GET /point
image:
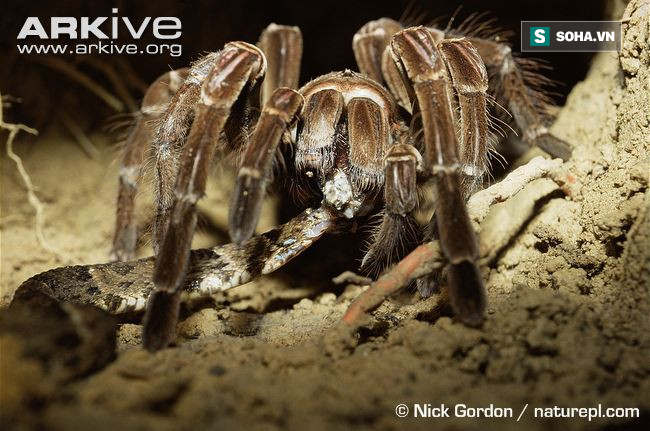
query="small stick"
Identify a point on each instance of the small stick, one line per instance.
(115, 79)
(130, 76)
(84, 141)
(349, 277)
(72, 73)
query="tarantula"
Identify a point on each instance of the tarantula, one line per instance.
(354, 143)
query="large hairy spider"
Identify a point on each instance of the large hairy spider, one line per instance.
(350, 144)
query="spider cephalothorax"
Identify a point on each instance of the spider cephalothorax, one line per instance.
(359, 143)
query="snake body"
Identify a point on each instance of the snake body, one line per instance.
(124, 287)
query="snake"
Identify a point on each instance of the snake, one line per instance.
(124, 287)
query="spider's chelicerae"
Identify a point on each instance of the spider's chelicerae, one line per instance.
(350, 144)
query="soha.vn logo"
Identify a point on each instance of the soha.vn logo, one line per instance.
(540, 36)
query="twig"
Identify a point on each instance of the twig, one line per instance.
(13, 130)
(72, 73)
(115, 79)
(84, 141)
(349, 277)
(130, 76)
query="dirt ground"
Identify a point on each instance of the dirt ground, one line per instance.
(568, 316)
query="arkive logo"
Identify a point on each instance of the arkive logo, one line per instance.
(165, 27)
(100, 35)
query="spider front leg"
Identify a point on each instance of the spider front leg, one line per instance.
(422, 64)
(255, 172)
(371, 46)
(169, 139)
(237, 67)
(469, 81)
(525, 103)
(282, 46)
(153, 105)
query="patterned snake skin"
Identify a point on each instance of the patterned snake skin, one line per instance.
(123, 287)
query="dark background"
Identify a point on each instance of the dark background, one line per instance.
(327, 27)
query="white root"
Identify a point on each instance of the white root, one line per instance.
(34, 201)
(479, 204)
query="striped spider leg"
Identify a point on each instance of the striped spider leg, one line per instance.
(206, 116)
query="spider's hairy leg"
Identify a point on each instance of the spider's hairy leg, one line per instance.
(255, 171)
(282, 46)
(169, 140)
(416, 54)
(138, 142)
(402, 92)
(470, 83)
(525, 103)
(398, 233)
(237, 67)
(369, 44)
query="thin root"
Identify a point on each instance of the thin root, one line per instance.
(13, 130)
(73, 73)
(116, 80)
(349, 277)
(82, 139)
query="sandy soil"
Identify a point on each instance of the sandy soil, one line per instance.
(568, 319)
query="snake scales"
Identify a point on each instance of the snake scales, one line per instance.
(124, 287)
